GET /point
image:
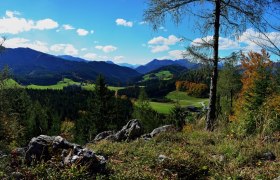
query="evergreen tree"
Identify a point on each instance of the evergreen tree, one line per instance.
(229, 84)
(256, 81)
(144, 112)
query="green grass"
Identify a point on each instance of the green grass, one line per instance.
(191, 154)
(186, 100)
(163, 108)
(182, 98)
(66, 82)
(10, 83)
(162, 75)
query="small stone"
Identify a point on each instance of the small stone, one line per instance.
(268, 156)
(162, 158)
(17, 175)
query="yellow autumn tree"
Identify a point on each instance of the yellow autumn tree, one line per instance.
(256, 81)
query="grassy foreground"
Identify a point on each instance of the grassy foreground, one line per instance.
(191, 154)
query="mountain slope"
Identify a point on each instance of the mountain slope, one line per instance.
(155, 64)
(33, 67)
(132, 66)
(71, 58)
(164, 73)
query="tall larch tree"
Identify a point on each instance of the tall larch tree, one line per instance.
(217, 17)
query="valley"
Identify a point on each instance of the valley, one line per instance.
(140, 89)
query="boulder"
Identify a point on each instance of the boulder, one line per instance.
(166, 128)
(46, 147)
(131, 131)
(103, 135)
(40, 148)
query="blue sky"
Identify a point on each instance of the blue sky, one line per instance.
(99, 30)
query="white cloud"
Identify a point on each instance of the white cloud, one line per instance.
(90, 56)
(224, 43)
(118, 58)
(176, 54)
(163, 28)
(106, 49)
(70, 50)
(123, 22)
(245, 42)
(159, 44)
(46, 24)
(251, 37)
(11, 14)
(171, 40)
(84, 49)
(103, 58)
(13, 25)
(67, 27)
(143, 23)
(57, 47)
(99, 47)
(159, 48)
(26, 43)
(82, 32)
(67, 49)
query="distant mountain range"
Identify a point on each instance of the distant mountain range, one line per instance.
(71, 58)
(132, 66)
(155, 64)
(33, 67)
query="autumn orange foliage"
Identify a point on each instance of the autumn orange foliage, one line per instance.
(256, 73)
(192, 89)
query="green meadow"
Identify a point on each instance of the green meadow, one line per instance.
(162, 75)
(178, 97)
(67, 82)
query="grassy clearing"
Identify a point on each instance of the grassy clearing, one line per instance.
(10, 83)
(66, 82)
(162, 75)
(182, 98)
(162, 107)
(60, 85)
(191, 154)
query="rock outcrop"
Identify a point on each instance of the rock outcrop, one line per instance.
(157, 131)
(46, 147)
(166, 128)
(131, 131)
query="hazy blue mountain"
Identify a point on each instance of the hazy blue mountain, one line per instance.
(132, 66)
(33, 67)
(71, 58)
(110, 62)
(155, 64)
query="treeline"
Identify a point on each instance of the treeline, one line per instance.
(154, 89)
(193, 89)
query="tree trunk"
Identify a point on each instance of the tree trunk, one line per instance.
(211, 114)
